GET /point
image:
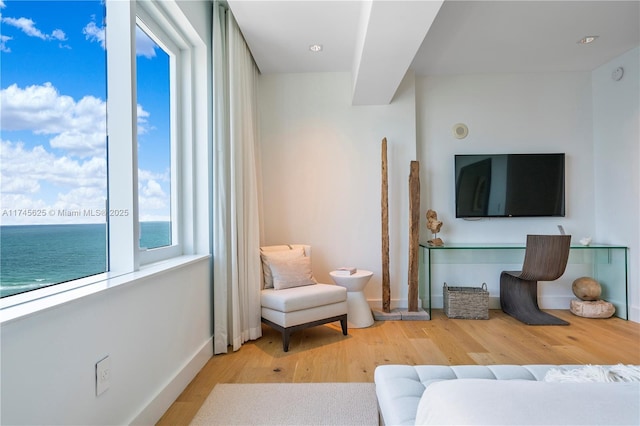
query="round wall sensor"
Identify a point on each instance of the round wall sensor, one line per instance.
(617, 73)
(460, 131)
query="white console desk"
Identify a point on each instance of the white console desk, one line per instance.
(607, 264)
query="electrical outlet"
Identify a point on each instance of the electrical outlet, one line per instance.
(103, 375)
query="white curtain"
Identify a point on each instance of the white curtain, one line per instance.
(235, 218)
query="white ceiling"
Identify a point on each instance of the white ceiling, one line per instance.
(378, 41)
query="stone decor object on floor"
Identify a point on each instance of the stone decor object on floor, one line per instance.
(586, 288)
(588, 291)
(434, 225)
(592, 309)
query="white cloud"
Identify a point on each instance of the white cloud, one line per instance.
(18, 186)
(58, 35)
(20, 164)
(20, 168)
(145, 175)
(3, 43)
(144, 45)
(94, 33)
(153, 189)
(2, 5)
(143, 122)
(83, 198)
(79, 127)
(33, 178)
(152, 198)
(71, 172)
(28, 26)
(20, 201)
(149, 204)
(80, 144)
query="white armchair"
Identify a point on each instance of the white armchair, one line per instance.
(291, 298)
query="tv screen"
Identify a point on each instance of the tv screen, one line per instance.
(509, 185)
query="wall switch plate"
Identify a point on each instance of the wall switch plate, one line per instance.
(103, 375)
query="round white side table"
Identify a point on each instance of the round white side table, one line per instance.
(358, 310)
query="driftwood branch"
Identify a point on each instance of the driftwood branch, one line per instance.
(414, 230)
(386, 285)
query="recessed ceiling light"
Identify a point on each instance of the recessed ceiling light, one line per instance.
(315, 48)
(587, 39)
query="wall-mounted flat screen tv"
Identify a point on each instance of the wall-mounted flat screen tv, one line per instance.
(509, 185)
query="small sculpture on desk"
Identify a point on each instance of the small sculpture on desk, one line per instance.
(434, 225)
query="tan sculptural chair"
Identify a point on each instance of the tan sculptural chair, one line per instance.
(291, 298)
(545, 259)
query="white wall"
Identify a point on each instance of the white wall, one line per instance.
(321, 160)
(506, 113)
(321, 167)
(616, 116)
(156, 330)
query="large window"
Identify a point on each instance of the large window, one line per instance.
(53, 186)
(78, 199)
(154, 140)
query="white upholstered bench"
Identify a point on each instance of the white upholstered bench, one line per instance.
(455, 393)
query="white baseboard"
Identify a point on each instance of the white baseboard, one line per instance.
(156, 408)
(550, 302)
(555, 302)
(634, 314)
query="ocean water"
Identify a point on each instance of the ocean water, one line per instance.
(36, 256)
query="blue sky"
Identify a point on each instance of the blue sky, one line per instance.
(53, 113)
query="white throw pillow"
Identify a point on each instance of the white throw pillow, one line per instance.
(288, 273)
(268, 256)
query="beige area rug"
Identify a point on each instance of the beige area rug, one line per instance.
(347, 404)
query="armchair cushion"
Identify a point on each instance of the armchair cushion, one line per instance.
(283, 252)
(299, 298)
(289, 273)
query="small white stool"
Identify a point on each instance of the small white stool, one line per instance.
(358, 310)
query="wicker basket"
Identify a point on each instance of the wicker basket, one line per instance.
(466, 302)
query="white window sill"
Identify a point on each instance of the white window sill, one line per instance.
(22, 305)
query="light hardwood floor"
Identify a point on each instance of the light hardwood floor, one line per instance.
(323, 354)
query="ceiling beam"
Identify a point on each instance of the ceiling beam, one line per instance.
(389, 37)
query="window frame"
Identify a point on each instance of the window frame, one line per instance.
(125, 253)
(157, 33)
(192, 157)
